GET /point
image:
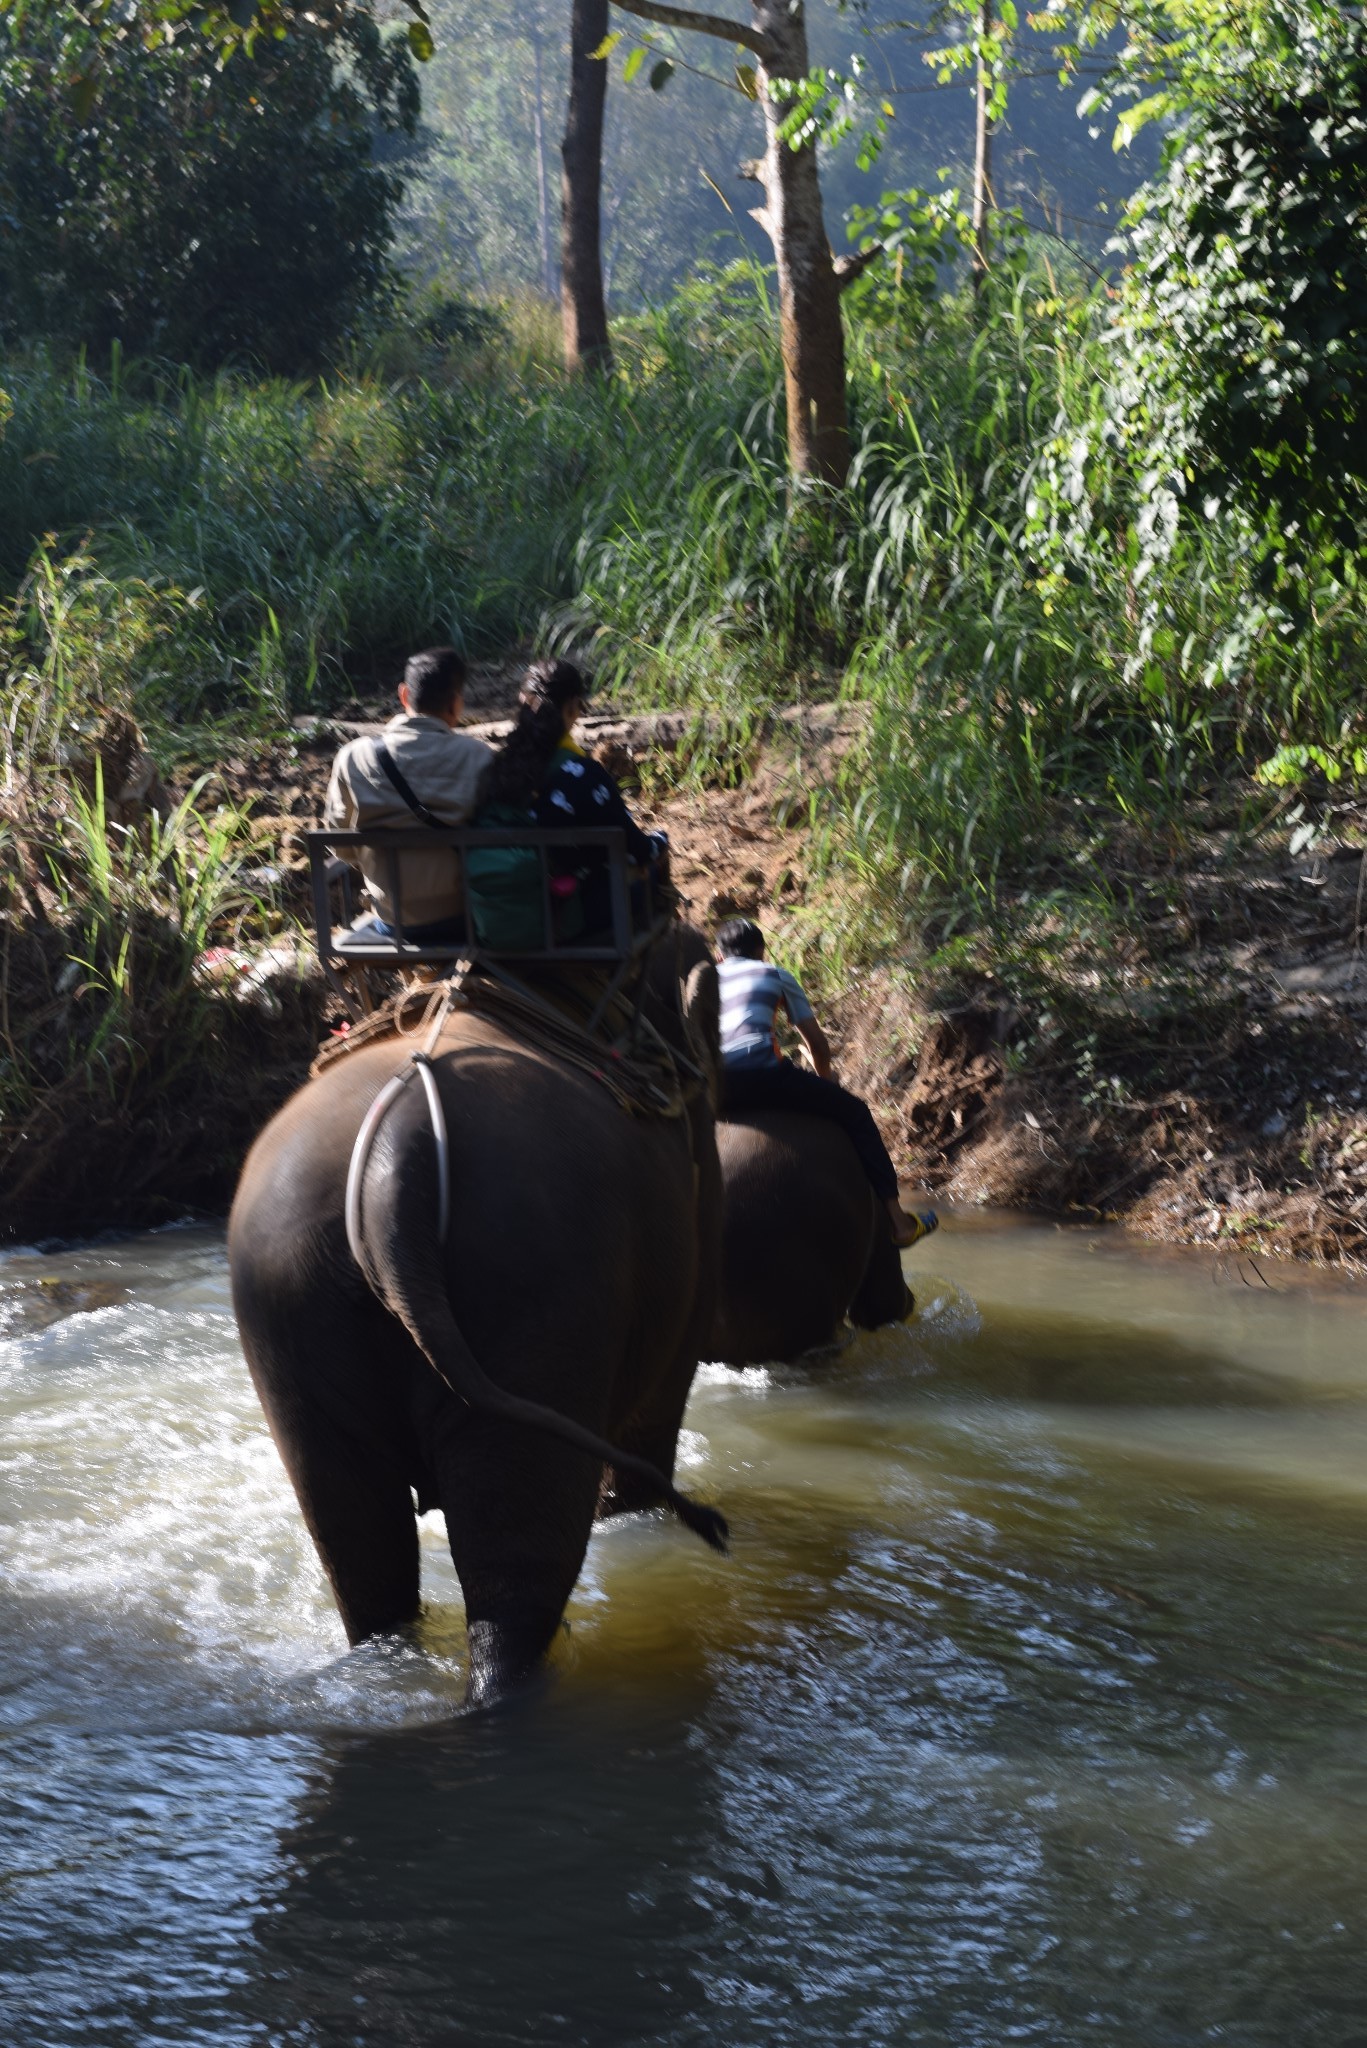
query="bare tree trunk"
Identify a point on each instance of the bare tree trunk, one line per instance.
(583, 308)
(809, 284)
(982, 160)
(543, 211)
(811, 333)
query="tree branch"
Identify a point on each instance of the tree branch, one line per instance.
(706, 24)
(848, 268)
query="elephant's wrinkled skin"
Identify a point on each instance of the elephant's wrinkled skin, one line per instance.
(805, 1241)
(579, 1273)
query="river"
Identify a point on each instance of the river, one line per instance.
(1030, 1707)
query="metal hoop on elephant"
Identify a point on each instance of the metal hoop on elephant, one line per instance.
(418, 1062)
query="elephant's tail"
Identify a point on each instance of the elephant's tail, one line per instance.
(411, 1286)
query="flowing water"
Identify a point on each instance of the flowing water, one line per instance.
(1031, 1706)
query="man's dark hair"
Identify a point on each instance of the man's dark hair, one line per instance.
(739, 939)
(434, 679)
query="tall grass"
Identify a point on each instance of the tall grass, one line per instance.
(301, 539)
(123, 1077)
(324, 531)
(1027, 697)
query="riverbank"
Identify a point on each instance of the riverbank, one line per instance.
(1183, 1053)
(1045, 884)
(1174, 1041)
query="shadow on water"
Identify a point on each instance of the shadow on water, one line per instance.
(527, 1875)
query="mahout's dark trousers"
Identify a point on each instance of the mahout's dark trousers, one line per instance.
(785, 1086)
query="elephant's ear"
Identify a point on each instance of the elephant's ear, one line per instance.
(702, 1015)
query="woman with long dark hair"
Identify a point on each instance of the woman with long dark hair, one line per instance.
(541, 772)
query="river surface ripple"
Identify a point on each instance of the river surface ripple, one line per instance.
(1030, 1707)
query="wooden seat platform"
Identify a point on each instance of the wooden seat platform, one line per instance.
(344, 952)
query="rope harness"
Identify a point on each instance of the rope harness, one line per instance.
(419, 1062)
(643, 1075)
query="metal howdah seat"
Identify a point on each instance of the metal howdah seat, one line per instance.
(331, 855)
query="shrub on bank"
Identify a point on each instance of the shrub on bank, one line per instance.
(129, 1086)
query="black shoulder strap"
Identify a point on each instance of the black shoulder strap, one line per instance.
(385, 760)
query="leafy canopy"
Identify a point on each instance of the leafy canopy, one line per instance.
(1242, 328)
(85, 33)
(210, 213)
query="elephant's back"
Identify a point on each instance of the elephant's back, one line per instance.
(559, 1204)
(536, 1138)
(786, 1155)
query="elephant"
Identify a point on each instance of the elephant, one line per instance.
(555, 1332)
(805, 1241)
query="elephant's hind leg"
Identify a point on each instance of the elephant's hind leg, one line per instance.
(334, 1435)
(653, 1434)
(359, 1512)
(519, 1509)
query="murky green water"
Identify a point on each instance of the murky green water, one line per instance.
(1031, 1707)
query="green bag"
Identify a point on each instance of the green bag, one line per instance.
(507, 907)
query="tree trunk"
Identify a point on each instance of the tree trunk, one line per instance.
(543, 210)
(982, 161)
(811, 333)
(583, 307)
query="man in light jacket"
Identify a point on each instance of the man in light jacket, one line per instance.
(421, 770)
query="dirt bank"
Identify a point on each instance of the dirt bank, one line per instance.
(1197, 1072)
(1194, 1068)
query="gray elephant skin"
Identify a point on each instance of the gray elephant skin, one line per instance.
(570, 1300)
(805, 1241)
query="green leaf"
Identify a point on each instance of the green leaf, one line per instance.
(748, 80)
(635, 60)
(1139, 115)
(420, 41)
(660, 74)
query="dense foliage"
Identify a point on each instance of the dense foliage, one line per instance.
(1094, 577)
(649, 524)
(203, 213)
(1241, 343)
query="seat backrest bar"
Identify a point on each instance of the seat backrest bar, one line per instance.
(322, 843)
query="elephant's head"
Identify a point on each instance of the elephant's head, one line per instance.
(883, 1295)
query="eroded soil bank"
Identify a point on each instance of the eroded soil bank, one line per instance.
(1172, 1035)
(1194, 1066)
